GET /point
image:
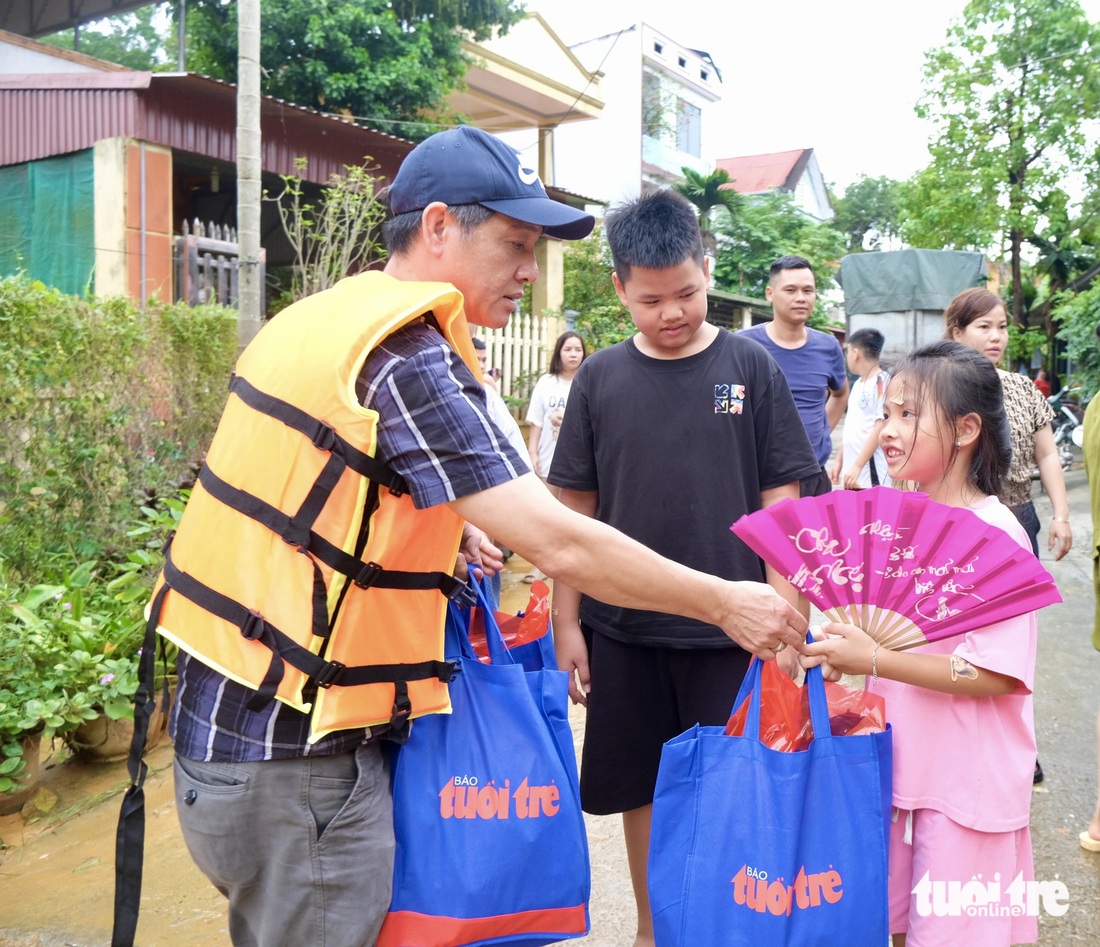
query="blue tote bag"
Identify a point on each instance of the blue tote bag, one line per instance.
(754, 846)
(491, 843)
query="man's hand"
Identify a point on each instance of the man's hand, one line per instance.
(760, 620)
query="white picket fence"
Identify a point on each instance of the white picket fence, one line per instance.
(521, 350)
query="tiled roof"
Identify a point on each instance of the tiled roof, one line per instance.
(754, 174)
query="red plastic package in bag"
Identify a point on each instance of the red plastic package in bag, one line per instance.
(852, 711)
(527, 626)
(785, 714)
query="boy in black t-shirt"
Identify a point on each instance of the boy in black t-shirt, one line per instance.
(670, 436)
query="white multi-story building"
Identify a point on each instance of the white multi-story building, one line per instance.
(656, 93)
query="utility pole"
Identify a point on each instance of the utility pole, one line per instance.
(181, 35)
(250, 285)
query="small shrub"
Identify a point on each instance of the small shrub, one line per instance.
(102, 406)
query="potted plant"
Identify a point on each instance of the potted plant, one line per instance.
(69, 651)
(99, 612)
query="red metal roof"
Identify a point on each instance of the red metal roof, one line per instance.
(43, 115)
(755, 174)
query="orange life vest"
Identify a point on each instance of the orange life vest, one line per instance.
(299, 557)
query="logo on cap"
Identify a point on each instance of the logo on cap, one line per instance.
(526, 175)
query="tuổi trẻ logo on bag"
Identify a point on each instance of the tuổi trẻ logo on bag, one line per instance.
(753, 890)
(462, 797)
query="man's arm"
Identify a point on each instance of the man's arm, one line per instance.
(836, 403)
(837, 465)
(596, 559)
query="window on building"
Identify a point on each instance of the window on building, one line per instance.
(682, 62)
(704, 75)
(658, 48)
(689, 128)
(653, 112)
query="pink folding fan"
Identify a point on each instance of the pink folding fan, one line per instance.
(900, 566)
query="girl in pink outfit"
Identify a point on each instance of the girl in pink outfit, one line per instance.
(961, 708)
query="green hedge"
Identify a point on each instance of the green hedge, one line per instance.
(103, 407)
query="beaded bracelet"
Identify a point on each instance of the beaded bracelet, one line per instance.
(874, 665)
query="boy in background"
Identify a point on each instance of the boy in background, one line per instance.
(859, 463)
(670, 436)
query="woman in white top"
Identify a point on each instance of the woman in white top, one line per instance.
(549, 398)
(859, 463)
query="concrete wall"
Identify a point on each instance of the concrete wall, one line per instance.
(133, 218)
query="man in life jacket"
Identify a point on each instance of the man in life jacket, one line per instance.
(355, 453)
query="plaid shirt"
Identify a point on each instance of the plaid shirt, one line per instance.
(433, 430)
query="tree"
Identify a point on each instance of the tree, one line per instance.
(143, 39)
(373, 60)
(334, 237)
(709, 192)
(1010, 94)
(768, 227)
(867, 214)
(1079, 317)
(602, 319)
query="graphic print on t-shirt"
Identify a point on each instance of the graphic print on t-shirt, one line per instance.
(555, 410)
(729, 399)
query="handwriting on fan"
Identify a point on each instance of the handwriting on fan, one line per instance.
(834, 569)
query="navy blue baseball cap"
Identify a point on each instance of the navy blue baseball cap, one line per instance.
(466, 165)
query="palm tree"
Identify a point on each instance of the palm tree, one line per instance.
(706, 192)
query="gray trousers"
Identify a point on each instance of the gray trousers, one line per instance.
(302, 848)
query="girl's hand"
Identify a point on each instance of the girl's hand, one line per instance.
(851, 478)
(844, 649)
(477, 554)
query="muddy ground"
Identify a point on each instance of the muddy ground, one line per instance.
(56, 866)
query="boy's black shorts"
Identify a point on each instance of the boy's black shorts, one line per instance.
(641, 697)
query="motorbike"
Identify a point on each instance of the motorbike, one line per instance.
(1068, 424)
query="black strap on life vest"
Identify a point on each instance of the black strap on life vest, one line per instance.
(295, 530)
(130, 835)
(320, 434)
(324, 673)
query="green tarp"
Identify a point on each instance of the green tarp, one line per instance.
(47, 221)
(903, 280)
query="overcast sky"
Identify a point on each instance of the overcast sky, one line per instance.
(838, 76)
